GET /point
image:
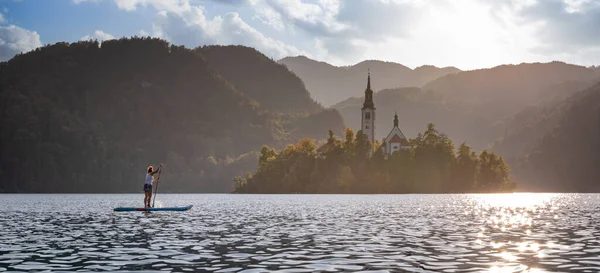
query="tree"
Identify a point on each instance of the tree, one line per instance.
(431, 165)
(465, 172)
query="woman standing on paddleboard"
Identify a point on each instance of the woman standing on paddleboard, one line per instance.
(148, 185)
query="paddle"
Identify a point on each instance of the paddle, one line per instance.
(159, 170)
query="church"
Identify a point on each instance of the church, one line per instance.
(395, 140)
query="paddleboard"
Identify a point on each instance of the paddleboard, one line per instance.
(154, 209)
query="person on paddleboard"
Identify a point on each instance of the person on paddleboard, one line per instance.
(150, 180)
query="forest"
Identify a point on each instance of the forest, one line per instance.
(91, 117)
(566, 157)
(432, 165)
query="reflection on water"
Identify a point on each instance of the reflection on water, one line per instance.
(303, 233)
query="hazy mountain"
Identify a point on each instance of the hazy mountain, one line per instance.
(416, 107)
(330, 84)
(84, 117)
(474, 106)
(506, 89)
(521, 131)
(566, 158)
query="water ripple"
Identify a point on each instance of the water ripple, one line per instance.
(303, 233)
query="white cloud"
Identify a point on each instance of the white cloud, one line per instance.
(182, 23)
(467, 33)
(98, 35)
(176, 6)
(2, 19)
(318, 18)
(15, 40)
(144, 33)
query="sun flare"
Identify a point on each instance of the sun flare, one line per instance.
(527, 201)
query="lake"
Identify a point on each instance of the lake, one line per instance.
(302, 233)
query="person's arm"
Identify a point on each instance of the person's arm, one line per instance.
(154, 172)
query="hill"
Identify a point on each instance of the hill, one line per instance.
(330, 84)
(520, 132)
(85, 117)
(566, 158)
(506, 89)
(481, 107)
(262, 79)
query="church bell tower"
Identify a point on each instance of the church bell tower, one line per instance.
(368, 112)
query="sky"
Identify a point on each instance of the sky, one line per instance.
(467, 34)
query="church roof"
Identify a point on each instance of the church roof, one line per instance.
(397, 139)
(396, 136)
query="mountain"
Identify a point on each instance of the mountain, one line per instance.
(480, 107)
(85, 117)
(330, 84)
(566, 159)
(260, 78)
(506, 89)
(522, 130)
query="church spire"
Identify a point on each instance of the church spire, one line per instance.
(396, 120)
(369, 93)
(369, 80)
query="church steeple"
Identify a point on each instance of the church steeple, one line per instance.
(369, 79)
(369, 94)
(368, 112)
(396, 120)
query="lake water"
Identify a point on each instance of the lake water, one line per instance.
(302, 233)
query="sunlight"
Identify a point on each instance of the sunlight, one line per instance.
(529, 201)
(158, 204)
(514, 213)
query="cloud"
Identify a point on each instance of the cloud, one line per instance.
(563, 29)
(343, 30)
(15, 40)
(98, 35)
(315, 18)
(2, 19)
(468, 33)
(176, 6)
(182, 23)
(567, 24)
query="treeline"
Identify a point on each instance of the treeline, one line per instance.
(432, 165)
(90, 117)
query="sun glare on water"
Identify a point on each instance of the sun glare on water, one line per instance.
(509, 228)
(514, 200)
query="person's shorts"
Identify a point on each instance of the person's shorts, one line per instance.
(147, 187)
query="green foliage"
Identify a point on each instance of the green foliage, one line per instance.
(260, 78)
(85, 117)
(431, 165)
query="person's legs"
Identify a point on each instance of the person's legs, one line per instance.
(149, 196)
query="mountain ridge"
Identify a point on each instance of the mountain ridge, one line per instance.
(329, 84)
